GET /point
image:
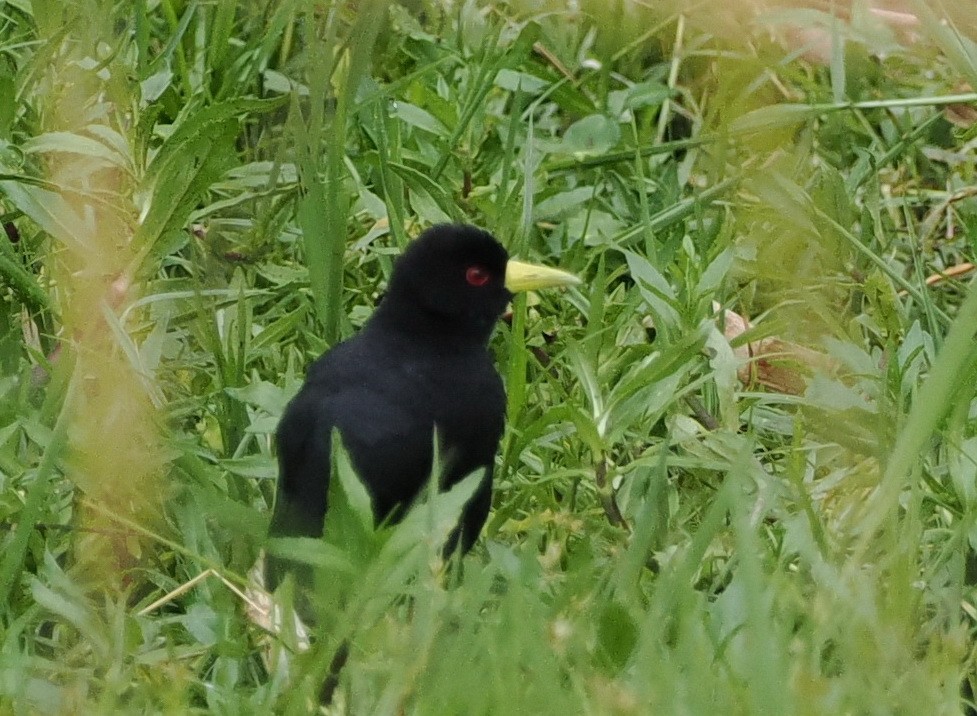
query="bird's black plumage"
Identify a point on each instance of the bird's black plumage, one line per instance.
(420, 362)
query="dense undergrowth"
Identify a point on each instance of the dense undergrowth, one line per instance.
(200, 197)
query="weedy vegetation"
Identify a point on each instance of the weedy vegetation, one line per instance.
(689, 518)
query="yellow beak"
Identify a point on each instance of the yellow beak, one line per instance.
(521, 276)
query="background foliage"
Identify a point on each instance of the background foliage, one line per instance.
(200, 197)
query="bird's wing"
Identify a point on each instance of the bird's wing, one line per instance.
(304, 446)
(304, 450)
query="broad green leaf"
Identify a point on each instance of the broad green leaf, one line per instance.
(515, 81)
(313, 552)
(655, 290)
(562, 205)
(48, 210)
(152, 88)
(590, 136)
(422, 119)
(432, 197)
(71, 143)
(259, 467)
(429, 523)
(354, 492)
(774, 117)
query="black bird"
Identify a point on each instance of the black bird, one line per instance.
(421, 362)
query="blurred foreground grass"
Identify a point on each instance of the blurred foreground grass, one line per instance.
(200, 197)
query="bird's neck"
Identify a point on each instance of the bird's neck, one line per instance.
(413, 323)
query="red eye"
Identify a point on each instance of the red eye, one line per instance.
(477, 276)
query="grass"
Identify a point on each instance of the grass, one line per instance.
(201, 197)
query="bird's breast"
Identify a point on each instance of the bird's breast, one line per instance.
(464, 394)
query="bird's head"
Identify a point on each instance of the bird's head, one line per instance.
(460, 279)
